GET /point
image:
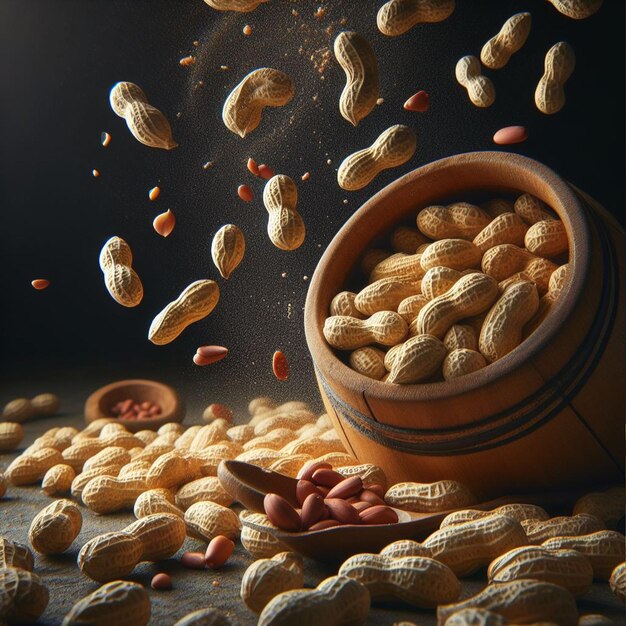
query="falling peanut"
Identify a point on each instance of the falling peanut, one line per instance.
(120, 278)
(244, 106)
(146, 123)
(285, 227)
(512, 36)
(559, 65)
(396, 17)
(393, 147)
(356, 57)
(480, 89)
(164, 223)
(228, 249)
(193, 304)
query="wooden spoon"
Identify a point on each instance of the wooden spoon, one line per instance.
(249, 484)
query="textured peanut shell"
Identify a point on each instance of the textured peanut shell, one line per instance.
(385, 294)
(206, 520)
(335, 601)
(204, 617)
(461, 362)
(155, 501)
(13, 554)
(107, 494)
(480, 89)
(567, 568)
(55, 527)
(120, 279)
(497, 52)
(285, 226)
(520, 601)
(547, 238)
(606, 505)
(418, 581)
(161, 535)
(410, 307)
(471, 295)
(406, 239)
(558, 67)
(28, 469)
(266, 578)
(241, 6)
(417, 359)
(23, 596)
(399, 265)
(343, 304)
(518, 512)
(243, 108)
(392, 148)
(538, 531)
(194, 303)
(577, 9)
(505, 228)
(457, 254)
(460, 220)
(110, 556)
(502, 329)
(604, 549)
(347, 333)
(396, 17)
(258, 542)
(369, 362)
(429, 497)
(228, 249)
(356, 57)
(617, 582)
(11, 435)
(119, 602)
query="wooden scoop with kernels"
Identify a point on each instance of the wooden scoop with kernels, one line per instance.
(249, 484)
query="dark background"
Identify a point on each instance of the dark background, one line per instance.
(60, 58)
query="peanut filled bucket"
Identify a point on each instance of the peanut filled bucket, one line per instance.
(465, 322)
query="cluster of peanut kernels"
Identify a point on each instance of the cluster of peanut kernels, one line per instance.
(460, 291)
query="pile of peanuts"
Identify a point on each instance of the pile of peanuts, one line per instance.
(129, 409)
(457, 293)
(169, 479)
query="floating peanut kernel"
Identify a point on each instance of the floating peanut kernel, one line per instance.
(245, 193)
(164, 223)
(306, 176)
(419, 102)
(266, 172)
(188, 60)
(208, 165)
(218, 551)
(40, 283)
(510, 134)
(105, 139)
(280, 366)
(95, 173)
(252, 166)
(154, 193)
(247, 30)
(205, 355)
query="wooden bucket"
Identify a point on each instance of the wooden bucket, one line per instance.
(550, 414)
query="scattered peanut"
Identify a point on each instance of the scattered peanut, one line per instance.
(285, 227)
(146, 123)
(266, 578)
(23, 595)
(58, 480)
(392, 148)
(206, 520)
(357, 58)
(218, 551)
(119, 602)
(480, 89)
(396, 17)
(419, 102)
(11, 435)
(497, 52)
(567, 568)
(120, 278)
(418, 581)
(244, 106)
(13, 554)
(576, 9)
(115, 554)
(559, 66)
(335, 601)
(520, 601)
(228, 249)
(55, 527)
(194, 303)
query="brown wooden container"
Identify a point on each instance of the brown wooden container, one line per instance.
(548, 415)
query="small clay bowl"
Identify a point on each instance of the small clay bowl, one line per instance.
(99, 403)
